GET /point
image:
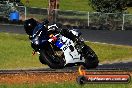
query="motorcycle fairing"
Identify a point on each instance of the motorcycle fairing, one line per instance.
(71, 56)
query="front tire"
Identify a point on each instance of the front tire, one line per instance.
(52, 60)
(42, 60)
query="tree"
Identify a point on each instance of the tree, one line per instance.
(109, 6)
(129, 3)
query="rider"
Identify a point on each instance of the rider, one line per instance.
(31, 24)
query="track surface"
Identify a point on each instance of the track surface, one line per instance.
(105, 67)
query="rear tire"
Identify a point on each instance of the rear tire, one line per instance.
(52, 60)
(91, 59)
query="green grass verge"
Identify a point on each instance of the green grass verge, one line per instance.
(67, 85)
(112, 53)
(15, 52)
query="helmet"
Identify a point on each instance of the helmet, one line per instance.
(29, 26)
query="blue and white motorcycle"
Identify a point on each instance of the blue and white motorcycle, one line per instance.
(58, 51)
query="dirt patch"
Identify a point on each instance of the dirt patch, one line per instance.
(32, 78)
(37, 78)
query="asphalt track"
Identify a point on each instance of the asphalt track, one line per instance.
(105, 67)
(104, 36)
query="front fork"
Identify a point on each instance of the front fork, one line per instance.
(34, 52)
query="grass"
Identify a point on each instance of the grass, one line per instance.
(67, 85)
(111, 53)
(64, 4)
(38, 3)
(15, 52)
(130, 10)
(77, 5)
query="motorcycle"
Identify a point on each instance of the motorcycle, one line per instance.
(57, 51)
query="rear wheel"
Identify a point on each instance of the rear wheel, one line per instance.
(91, 59)
(53, 60)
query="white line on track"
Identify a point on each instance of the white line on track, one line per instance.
(107, 43)
(11, 25)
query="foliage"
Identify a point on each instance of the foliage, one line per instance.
(109, 6)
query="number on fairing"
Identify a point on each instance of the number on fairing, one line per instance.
(67, 45)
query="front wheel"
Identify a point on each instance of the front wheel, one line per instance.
(52, 60)
(91, 59)
(42, 60)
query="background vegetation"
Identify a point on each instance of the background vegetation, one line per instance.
(109, 6)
